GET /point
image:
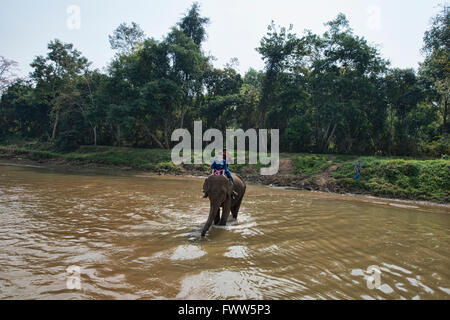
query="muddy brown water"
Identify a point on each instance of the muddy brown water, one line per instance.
(137, 236)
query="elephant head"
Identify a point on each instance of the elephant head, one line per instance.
(219, 190)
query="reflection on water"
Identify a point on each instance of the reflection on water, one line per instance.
(138, 237)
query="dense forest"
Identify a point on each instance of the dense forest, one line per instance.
(329, 93)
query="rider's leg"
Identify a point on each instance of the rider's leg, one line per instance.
(233, 193)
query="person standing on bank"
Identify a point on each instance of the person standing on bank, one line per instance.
(358, 170)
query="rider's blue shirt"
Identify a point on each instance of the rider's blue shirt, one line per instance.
(221, 164)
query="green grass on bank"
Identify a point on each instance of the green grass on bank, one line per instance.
(398, 178)
(151, 159)
(309, 164)
(148, 159)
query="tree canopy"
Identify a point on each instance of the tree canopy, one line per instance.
(327, 93)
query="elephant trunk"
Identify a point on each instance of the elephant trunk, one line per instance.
(212, 213)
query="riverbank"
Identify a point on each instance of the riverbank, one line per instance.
(389, 177)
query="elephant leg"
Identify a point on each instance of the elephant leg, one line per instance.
(217, 217)
(235, 208)
(212, 213)
(226, 211)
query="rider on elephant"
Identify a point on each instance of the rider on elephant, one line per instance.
(220, 167)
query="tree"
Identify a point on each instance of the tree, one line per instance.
(21, 112)
(326, 87)
(222, 97)
(275, 48)
(220, 82)
(187, 66)
(125, 38)
(250, 93)
(89, 85)
(403, 95)
(193, 25)
(436, 66)
(344, 92)
(6, 72)
(161, 99)
(55, 76)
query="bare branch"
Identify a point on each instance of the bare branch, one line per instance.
(7, 75)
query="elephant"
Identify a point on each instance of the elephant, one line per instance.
(219, 190)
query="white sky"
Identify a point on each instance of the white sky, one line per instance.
(236, 27)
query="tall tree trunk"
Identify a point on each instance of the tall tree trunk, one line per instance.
(95, 135)
(54, 126)
(325, 137)
(153, 136)
(185, 101)
(262, 115)
(327, 142)
(182, 116)
(444, 116)
(316, 133)
(118, 135)
(94, 127)
(166, 133)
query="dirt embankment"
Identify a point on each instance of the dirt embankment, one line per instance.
(286, 177)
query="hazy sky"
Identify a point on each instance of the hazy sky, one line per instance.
(236, 27)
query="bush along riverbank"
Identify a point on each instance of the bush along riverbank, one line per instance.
(401, 178)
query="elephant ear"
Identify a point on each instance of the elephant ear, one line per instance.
(205, 186)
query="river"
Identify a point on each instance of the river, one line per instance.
(137, 236)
